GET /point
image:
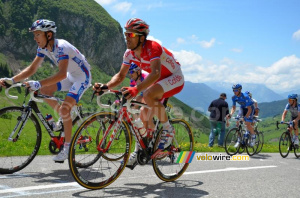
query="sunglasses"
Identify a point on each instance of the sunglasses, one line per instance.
(235, 90)
(131, 72)
(131, 34)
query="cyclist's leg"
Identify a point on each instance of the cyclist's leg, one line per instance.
(296, 132)
(164, 88)
(49, 90)
(80, 84)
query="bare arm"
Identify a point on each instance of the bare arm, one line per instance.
(30, 70)
(119, 77)
(232, 110)
(60, 75)
(284, 114)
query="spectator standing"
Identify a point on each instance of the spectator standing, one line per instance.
(218, 110)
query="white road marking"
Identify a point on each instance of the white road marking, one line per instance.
(227, 169)
(15, 190)
(75, 184)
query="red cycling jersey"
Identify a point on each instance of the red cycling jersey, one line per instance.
(151, 51)
(171, 77)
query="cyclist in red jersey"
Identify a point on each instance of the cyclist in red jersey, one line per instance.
(165, 77)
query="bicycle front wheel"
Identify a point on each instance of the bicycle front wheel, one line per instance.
(232, 137)
(284, 144)
(91, 168)
(17, 153)
(169, 168)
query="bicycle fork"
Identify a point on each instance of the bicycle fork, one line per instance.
(22, 120)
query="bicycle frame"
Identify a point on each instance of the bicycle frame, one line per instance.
(32, 106)
(125, 113)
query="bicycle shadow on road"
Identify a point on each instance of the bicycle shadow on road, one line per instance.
(261, 156)
(56, 176)
(183, 188)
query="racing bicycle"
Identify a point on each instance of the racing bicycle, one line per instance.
(20, 131)
(110, 146)
(238, 134)
(286, 144)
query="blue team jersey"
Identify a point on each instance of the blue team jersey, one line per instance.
(244, 100)
(294, 110)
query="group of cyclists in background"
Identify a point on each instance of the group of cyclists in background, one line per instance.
(154, 73)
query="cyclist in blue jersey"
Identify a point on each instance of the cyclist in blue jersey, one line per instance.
(246, 110)
(294, 109)
(73, 76)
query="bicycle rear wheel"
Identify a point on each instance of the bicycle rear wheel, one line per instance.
(167, 167)
(231, 139)
(261, 142)
(297, 151)
(251, 150)
(92, 169)
(16, 154)
(284, 144)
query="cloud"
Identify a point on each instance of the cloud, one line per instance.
(296, 35)
(193, 39)
(180, 40)
(237, 50)
(122, 7)
(207, 44)
(277, 76)
(154, 39)
(105, 2)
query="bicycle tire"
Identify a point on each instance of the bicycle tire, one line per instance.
(230, 141)
(16, 155)
(166, 168)
(251, 150)
(297, 151)
(284, 144)
(261, 142)
(90, 169)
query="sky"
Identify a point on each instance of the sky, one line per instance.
(233, 41)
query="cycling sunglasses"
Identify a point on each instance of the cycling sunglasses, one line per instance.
(131, 34)
(235, 90)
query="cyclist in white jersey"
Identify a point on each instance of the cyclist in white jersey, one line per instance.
(73, 76)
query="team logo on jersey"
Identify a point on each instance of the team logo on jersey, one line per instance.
(170, 61)
(175, 79)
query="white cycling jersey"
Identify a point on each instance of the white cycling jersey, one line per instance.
(62, 49)
(78, 72)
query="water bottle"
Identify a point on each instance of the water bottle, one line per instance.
(139, 125)
(50, 120)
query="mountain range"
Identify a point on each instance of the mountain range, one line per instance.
(200, 95)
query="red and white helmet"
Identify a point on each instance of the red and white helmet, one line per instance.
(138, 25)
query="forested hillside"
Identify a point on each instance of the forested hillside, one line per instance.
(85, 24)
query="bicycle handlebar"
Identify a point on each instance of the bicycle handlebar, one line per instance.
(12, 86)
(128, 103)
(287, 123)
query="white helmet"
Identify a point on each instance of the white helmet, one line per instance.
(43, 25)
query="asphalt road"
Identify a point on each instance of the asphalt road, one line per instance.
(264, 175)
